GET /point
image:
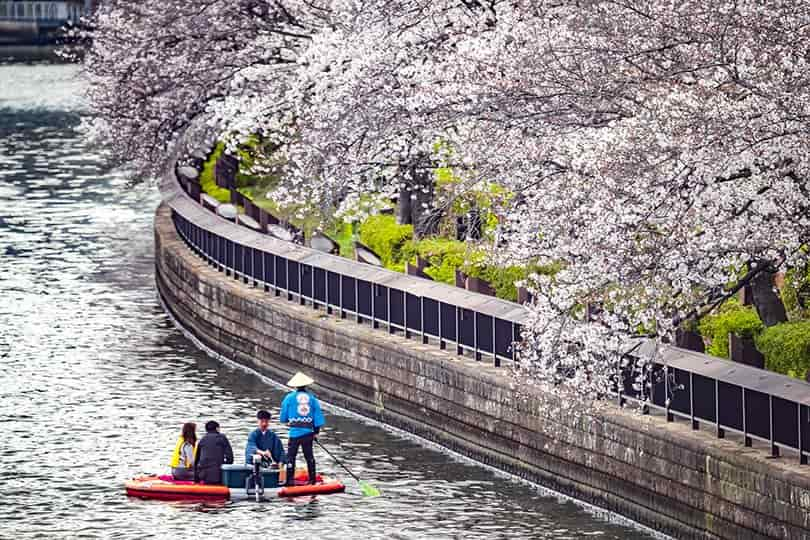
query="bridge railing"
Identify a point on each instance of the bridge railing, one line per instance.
(755, 403)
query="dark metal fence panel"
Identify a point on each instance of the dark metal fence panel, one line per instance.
(730, 404)
(349, 288)
(503, 338)
(281, 272)
(333, 288)
(485, 334)
(320, 284)
(430, 310)
(757, 414)
(258, 264)
(413, 311)
(238, 254)
(293, 277)
(785, 422)
(466, 326)
(448, 321)
(269, 269)
(705, 401)
(658, 386)
(248, 261)
(380, 299)
(397, 302)
(218, 253)
(306, 280)
(229, 253)
(364, 303)
(681, 391)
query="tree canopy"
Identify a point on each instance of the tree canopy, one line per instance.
(655, 150)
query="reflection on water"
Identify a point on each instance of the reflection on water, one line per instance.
(96, 382)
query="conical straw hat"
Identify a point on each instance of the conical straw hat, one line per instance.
(299, 380)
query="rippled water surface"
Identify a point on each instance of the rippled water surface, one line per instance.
(96, 382)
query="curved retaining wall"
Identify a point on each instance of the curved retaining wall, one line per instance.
(685, 483)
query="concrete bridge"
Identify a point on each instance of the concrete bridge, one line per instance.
(35, 22)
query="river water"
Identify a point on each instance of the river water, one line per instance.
(96, 381)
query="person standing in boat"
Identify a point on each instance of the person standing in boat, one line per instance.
(301, 411)
(213, 450)
(264, 442)
(182, 462)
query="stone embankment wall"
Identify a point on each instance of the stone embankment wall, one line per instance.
(664, 475)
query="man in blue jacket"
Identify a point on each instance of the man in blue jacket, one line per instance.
(302, 412)
(264, 442)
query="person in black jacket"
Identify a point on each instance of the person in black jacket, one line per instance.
(212, 451)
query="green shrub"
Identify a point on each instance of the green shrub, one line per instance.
(343, 234)
(730, 318)
(503, 279)
(444, 256)
(795, 293)
(208, 180)
(392, 242)
(786, 348)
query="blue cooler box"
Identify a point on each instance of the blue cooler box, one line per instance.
(234, 476)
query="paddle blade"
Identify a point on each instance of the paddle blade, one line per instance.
(368, 490)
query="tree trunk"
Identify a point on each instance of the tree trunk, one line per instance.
(415, 203)
(474, 225)
(689, 340)
(424, 216)
(404, 205)
(767, 302)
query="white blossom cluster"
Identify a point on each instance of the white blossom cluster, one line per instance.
(655, 150)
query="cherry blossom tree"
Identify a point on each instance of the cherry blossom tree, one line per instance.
(654, 149)
(657, 147)
(162, 72)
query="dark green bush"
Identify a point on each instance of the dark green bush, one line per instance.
(730, 318)
(208, 180)
(786, 348)
(392, 242)
(444, 256)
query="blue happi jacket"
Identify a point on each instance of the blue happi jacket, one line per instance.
(302, 412)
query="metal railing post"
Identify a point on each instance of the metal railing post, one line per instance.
(476, 352)
(721, 433)
(442, 344)
(301, 300)
(667, 401)
(495, 360)
(390, 327)
(287, 278)
(513, 346)
(374, 306)
(695, 423)
(774, 447)
(312, 292)
(326, 288)
(245, 269)
(340, 296)
(459, 348)
(422, 320)
(357, 300)
(802, 456)
(405, 314)
(747, 441)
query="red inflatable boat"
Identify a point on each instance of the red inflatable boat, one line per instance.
(165, 488)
